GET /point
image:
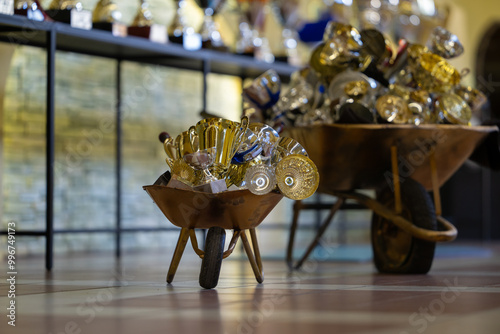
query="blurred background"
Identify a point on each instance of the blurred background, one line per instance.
(85, 113)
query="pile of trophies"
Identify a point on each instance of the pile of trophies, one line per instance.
(359, 77)
(217, 155)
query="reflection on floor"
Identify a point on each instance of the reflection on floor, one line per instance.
(96, 294)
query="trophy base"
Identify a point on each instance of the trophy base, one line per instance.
(283, 59)
(176, 39)
(212, 187)
(7, 7)
(81, 19)
(35, 15)
(117, 29)
(209, 45)
(155, 33)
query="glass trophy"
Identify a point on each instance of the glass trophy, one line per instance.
(287, 13)
(251, 40)
(31, 9)
(260, 179)
(201, 160)
(210, 34)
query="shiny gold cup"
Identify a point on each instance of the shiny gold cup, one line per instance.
(434, 73)
(224, 135)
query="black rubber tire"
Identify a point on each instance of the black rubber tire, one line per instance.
(395, 251)
(212, 260)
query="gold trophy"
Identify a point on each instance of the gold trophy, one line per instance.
(297, 176)
(224, 135)
(143, 25)
(452, 109)
(434, 73)
(107, 16)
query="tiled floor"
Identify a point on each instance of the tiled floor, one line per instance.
(96, 294)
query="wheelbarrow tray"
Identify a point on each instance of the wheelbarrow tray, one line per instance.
(357, 156)
(238, 209)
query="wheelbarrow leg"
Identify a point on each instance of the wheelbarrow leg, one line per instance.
(179, 249)
(256, 250)
(259, 276)
(321, 231)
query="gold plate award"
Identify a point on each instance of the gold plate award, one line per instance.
(297, 176)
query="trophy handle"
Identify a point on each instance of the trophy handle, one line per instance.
(193, 139)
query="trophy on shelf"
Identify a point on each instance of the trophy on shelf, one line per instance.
(71, 12)
(251, 41)
(107, 16)
(178, 25)
(287, 13)
(210, 35)
(7, 7)
(31, 9)
(143, 25)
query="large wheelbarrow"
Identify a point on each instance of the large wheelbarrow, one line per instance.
(238, 210)
(400, 162)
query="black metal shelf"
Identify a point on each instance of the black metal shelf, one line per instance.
(54, 36)
(20, 30)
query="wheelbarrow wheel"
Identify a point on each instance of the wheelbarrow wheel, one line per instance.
(394, 250)
(212, 260)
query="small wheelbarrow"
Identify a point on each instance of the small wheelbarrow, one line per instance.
(238, 210)
(400, 162)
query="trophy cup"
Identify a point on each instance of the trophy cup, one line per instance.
(392, 109)
(71, 12)
(287, 13)
(180, 33)
(143, 25)
(201, 160)
(452, 109)
(297, 176)
(106, 16)
(31, 9)
(285, 147)
(260, 179)
(445, 44)
(210, 35)
(251, 41)
(224, 135)
(434, 73)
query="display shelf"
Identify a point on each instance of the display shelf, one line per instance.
(20, 30)
(54, 36)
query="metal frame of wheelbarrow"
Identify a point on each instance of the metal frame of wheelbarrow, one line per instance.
(448, 232)
(238, 210)
(189, 233)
